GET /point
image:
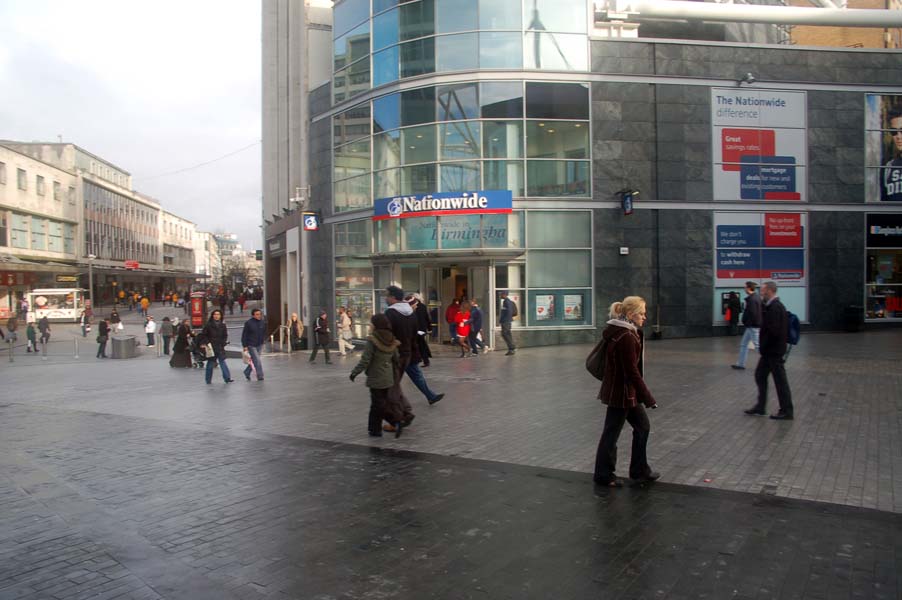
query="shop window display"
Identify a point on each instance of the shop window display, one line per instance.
(884, 284)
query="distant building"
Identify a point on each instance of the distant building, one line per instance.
(849, 37)
(208, 262)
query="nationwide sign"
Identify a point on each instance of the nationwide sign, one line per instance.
(485, 202)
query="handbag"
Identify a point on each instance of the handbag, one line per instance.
(246, 357)
(120, 326)
(347, 336)
(208, 351)
(595, 360)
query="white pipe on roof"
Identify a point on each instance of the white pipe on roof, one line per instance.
(638, 10)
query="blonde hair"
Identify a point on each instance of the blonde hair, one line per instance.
(630, 305)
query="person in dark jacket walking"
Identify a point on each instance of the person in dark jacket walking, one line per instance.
(103, 336)
(774, 332)
(380, 360)
(252, 337)
(751, 319)
(505, 319)
(424, 326)
(216, 335)
(44, 328)
(404, 326)
(475, 327)
(624, 392)
(181, 350)
(735, 307)
(166, 331)
(322, 336)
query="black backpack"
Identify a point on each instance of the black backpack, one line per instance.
(595, 360)
(514, 311)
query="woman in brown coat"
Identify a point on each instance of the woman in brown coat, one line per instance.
(624, 392)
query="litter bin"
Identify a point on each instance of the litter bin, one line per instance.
(853, 318)
(124, 346)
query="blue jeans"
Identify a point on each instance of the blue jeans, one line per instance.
(254, 351)
(452, 329)
(750, 335)
(416, 376)
(208, 375)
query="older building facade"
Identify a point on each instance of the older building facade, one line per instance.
(436, 106)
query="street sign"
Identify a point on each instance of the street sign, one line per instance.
(67, 278)
(132, 265)
(259, 255)
(311, 222)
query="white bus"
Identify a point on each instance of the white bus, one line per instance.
(57, 304)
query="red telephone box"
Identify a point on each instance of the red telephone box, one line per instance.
(198, 309)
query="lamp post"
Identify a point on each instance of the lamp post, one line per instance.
(91, 258)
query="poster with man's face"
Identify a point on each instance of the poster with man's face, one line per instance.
(883, 148)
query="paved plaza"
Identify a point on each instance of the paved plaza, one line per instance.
(128, 479)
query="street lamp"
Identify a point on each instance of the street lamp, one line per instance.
(91, 258)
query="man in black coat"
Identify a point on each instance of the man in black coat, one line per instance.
(774, 331)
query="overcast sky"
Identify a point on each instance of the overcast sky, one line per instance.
(153, 87)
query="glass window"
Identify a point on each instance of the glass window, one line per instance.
(417, 19)
(22, 179)
(38, 233)
(352, 46)
(3, 173)
(502, 139)
(557, 178)
(460, 177)
(455, 15)
(352, 194)
(360, 308)
(39, 185)
(418, 106)
(387, 238)
(419, 179)
(348, 13)
(352, 238)
(57, 190)
(559, 229)
(460, 232)
(500, 50)
(418, 57)
(556, 15)
(351, 125)
(557, 100)
(4, 227)
(504, 175)
(380, 5)
(460, 140)
(456, 102)
(19, 231)
(387, 183)
(457, 52)
(556, 307)
(353, 273)
(560, 51)
(55, 237)
(499, 14)
(557, 139)
(503, 231)
(501, 100)
(559, 268)
(387, 113)
(419, 233)
(353, 157)
(387, 151)
(385, 66)
(385, 30)
(418, 144)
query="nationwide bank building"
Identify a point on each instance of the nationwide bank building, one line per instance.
(464, 148)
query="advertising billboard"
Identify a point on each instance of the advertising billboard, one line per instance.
(759, 144)
(883, 148)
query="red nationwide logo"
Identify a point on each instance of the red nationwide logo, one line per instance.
(131, 264)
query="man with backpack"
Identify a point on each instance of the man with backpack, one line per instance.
(505, 318)
(775, 325)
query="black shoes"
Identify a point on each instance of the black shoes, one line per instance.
(510, 353)
(375, 433)
(247, 376)
(754, 411)
(229, 380)
(738, 367)
(782, 416)
(398, 427)
(436, 399)
(651, 476)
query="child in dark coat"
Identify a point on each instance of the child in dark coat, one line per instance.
(380, 361)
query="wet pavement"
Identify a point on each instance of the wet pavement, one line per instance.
(127, 479)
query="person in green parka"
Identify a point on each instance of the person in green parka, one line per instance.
(31, 335)
(380, 360)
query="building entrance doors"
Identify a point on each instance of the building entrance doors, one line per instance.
(443, 285)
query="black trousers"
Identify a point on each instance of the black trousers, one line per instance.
(773, 365)
(606, 457)
(475, 344)
(316, 347)
(378, 398)
(508, 338)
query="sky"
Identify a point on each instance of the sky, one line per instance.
(151, 86)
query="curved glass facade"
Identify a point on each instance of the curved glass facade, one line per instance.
(528, 137)
(393, 39)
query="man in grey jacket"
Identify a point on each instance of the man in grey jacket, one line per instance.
(751, 319)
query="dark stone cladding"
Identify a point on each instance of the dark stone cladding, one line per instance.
(321, 258)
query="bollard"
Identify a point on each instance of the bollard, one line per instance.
(160, 348)
(10, 350)
(43, 349)
(272, 338)
(281, 340)
(76, 347)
